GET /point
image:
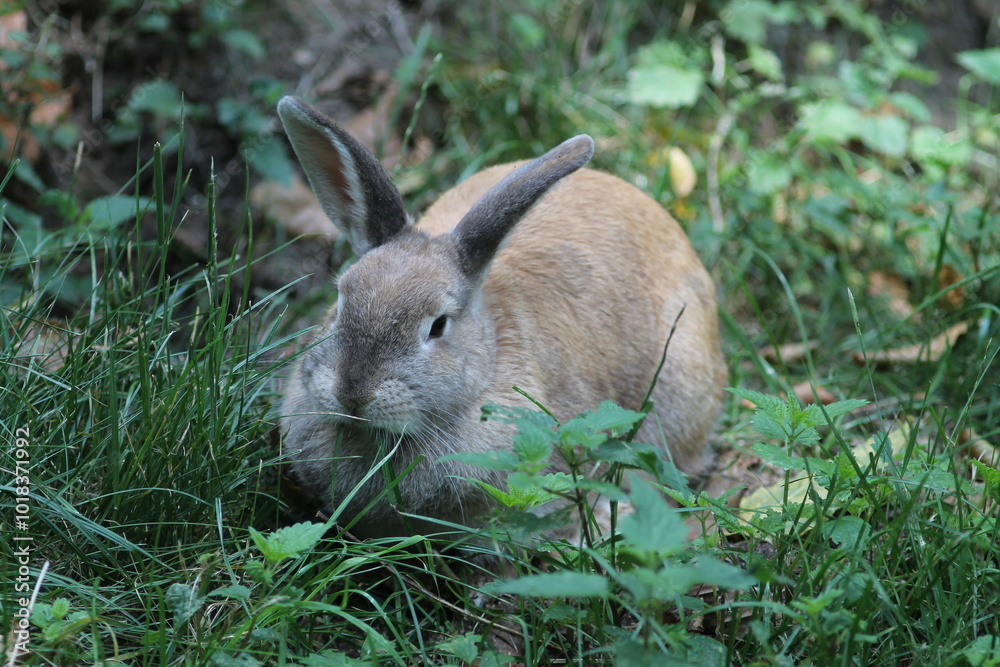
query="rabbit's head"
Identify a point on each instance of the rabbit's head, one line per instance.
(409, 345)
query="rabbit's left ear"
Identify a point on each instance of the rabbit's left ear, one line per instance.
(354, 190)
(480, 233)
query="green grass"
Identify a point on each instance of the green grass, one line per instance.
(149, 393)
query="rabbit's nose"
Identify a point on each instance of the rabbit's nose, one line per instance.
(355, 402)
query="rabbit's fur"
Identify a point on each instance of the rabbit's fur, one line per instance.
(562, 281)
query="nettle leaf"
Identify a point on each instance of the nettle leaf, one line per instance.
(610, 417)
(747, 20)
(183, 600)
(523, 492)
(888, 135)
(767, 172)
(495, 460)
(723, 575)
(238, 591)
(290, 541)
(665, 86)
(848, 531)
(226, 659)
(931, 144)
(984, 63)
(332, 659)
(831, 121)
(563, 584)
(765, 62)
(611, 491)
(764, 401)
(269, 158)
(510, 414)
(464, 647)
(653, 527)
(533, 443)
(843, 407)
(778, 456)
(105, 213)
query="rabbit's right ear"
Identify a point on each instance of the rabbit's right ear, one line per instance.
(354, 190)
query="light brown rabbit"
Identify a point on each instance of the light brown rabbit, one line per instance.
(562, 281)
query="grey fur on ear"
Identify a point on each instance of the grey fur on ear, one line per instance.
(354, 190)
(482, 230)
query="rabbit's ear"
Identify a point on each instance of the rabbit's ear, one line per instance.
(355, 191)
(481, 232)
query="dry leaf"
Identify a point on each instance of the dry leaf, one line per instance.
(893, 290)
(42, 343)
(773, 495)
(804, 392)
(295, 207)
(948, 276)
(930, 351)
(682, 174)
(789, 352)
(979, 448)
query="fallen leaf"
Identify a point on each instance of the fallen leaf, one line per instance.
(929, 351)
(683, 177)
(773, 495)
(788, 353)
(955, 298)
(42, 343)
(893, 290)
(294, 207)
(979, 448)
(804, 392)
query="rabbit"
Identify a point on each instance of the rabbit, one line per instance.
(560, 280)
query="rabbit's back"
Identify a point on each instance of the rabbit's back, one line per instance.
(584, 294)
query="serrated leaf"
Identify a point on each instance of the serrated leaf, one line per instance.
(722, 575)
(244, 41)
(225, 659)
(157, 96)
(464, 647)
(765, 401)
(612, 418)
(770, 427)
(105, 213)
(333, 659)
(747, 20)
(557, 585)
(495, 460)
(931, 144)
(765, 62)
(843, 407)
(665, 86)
(983, 651)
(60, 607)
(237, 591)
(911, 105)
(611, 491)
(653, 527)
(778, 456)
(848, 531)
(831, 121)
(290, 541)
(270, 159)
(183, 600)
(767, 173)
(533, 442)
(984, 63)
(888, 135)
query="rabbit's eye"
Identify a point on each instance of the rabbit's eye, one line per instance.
(437, 327)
